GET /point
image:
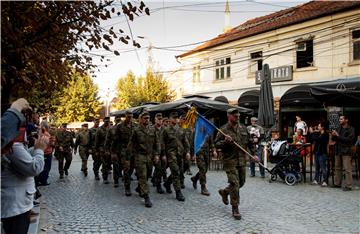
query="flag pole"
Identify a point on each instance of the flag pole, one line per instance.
(235, 143)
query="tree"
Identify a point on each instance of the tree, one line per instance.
(43, 41)
(79, 101)
(132, 91)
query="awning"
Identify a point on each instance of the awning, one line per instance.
(135, 110)
(249, 99)
(299, 96)
(336, 97)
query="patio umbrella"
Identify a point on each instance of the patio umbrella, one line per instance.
(266, 117)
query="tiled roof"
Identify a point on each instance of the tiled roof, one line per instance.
(290, 16)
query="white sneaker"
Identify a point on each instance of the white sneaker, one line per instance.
(324, 184)
(314, 182)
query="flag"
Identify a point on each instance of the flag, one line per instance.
(190, 118)
(203, 129)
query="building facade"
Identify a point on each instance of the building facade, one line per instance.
(309, 44)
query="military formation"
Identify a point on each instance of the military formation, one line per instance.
(149, 150)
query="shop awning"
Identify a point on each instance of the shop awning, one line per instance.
(249, 99)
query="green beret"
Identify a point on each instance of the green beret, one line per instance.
(158, 115)
(233, 111)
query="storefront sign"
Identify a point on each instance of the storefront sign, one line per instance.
(277, 74)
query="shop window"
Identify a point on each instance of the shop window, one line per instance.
(196, 74)
(304, 54)
(223, 68)
(355, 37)
(256, 61)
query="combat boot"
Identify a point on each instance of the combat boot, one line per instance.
(97, 177)
(116, 183)
(194, 181)
(224, 196)
(159, 189)
(235, 212)
(167, 187)
(182, 184)
(179, 196)
(148, 203)
(204, 190)
(85, 173)
(127, 191)
(139, 192)
(66, 172)
(61, 176)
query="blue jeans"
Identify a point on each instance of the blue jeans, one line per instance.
(252, 164)
(44, 175)
(320, 167)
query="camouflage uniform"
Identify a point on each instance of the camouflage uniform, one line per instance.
(94, 152)
(119, 146)
(202, 162)
(184, 148)
(100, 140)
(115, 158)
(234, 161)
(143, 146)
(174, 150)
(160, 167)
(64, 139)
(82, 141)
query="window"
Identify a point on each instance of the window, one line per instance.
(304, 54)
(355, 36)
(196, 74)
(256, 61)
(222, 68)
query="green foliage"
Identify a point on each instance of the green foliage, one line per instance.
(134, 91)
(79, 101)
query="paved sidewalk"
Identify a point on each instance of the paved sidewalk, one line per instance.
(83, 205)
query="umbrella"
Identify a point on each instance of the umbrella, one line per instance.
(336, 97)
(266, 116)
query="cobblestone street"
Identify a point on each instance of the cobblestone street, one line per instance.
(80, 204)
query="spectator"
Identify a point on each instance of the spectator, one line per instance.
(42, 178)
(344, 137)
(299, 124)
(321, 139)
(17, 183)
(12, 120)
(256, 133)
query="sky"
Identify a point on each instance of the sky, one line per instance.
(172, 28)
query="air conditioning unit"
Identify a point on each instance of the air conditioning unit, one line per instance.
(301, 46)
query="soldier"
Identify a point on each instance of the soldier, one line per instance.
(184, 151)
(234, 159)
(144, 147)
(64, 145)
(83, 140)
(94, 150)
(173, 151)
(160, 167)
(115, 157)
(189, 133)
(165, 122)
(202, 161)
(119, 146)
(100, 140)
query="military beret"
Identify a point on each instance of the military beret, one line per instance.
(174, 115)
(232, 111)
(64, 125)
(84, 125)
(96, 120)
(144, 114)
(118, 117)
(107, 118)
(253, 119)
(158, 115)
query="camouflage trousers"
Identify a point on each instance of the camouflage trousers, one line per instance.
(97, 161)
(174, 178)
(84, 155)
(202, 163)
(160, 171)
(236, 179)
(142, 163)
(127, 167)
(105, 159)
(61, 156)
(117, 167)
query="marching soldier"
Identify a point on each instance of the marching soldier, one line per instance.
(144, 147)
(184, 151)
(234, 159)
(173, 150)
(94, 150)
(115, 157)
(119, 146)
(160, 167)
(100, 140)
(82, 141)
(64, 145)
(202, 162)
